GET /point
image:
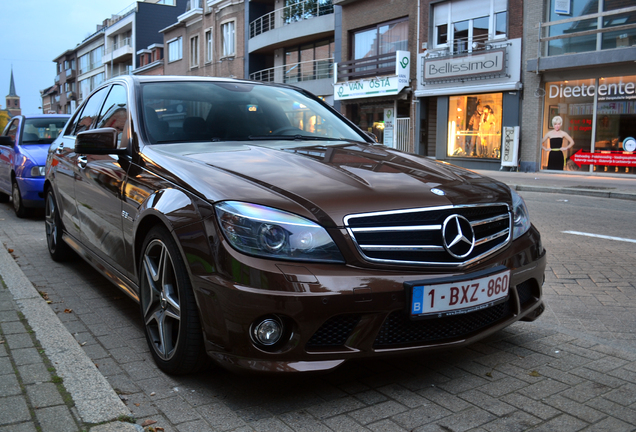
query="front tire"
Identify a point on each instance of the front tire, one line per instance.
(18, 206)
(58, 249)
(168, 307)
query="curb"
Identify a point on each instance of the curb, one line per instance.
(95, 399)
(577, 191)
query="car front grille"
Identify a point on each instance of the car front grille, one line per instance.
(417, 236)
(399, 329)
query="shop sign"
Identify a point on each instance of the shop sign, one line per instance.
(621, 159)
(488, 62)
(614, 91)
(377, 86)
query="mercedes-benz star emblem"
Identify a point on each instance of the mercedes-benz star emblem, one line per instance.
(459, 237)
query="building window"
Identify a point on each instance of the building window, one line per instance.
(309, 62)
(382, 39)
(175, 50)
(474, 126)
(464, 25)
(228, 36)
(194, 51)
(209, 46)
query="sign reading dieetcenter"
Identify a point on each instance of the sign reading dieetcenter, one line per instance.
(447, 68)
(377, 86)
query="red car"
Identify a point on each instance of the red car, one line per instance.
(259, 228)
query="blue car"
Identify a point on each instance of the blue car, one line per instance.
(24, 145)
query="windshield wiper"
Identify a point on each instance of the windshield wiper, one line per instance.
(296, 137)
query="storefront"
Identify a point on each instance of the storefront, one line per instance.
(474, 96)
(379, 104)
(599, 115)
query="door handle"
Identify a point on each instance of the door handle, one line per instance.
(59, 149)
(81, 162)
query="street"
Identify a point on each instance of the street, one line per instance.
(572, 369)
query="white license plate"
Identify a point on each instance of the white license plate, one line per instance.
(459, 297)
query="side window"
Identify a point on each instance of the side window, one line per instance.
(90, 111)
(13, 129)
(115, 110)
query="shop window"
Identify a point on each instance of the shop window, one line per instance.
(599, 129)
(474, 126)
(471, 23)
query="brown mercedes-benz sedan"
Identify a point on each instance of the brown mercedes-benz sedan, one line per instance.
(259, 228)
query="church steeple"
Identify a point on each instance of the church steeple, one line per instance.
(13, 100)
(12, 85)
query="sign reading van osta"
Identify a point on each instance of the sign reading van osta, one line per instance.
(377, 86)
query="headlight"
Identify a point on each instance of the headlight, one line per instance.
(38, 171)
(270, 233)
(520, 215)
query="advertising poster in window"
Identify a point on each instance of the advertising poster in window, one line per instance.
(592, 134)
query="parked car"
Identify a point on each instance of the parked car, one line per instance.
(255, 224)
(24, 145)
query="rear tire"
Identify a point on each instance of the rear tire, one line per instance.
(168, 307)
(58, 249)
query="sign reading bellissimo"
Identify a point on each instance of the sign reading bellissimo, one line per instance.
(448, 68)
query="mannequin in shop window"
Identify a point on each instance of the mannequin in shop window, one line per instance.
(557, 138)
(487, 132)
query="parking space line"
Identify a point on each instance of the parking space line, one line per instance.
(600, 236)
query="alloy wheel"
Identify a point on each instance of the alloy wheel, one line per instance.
(161, 305)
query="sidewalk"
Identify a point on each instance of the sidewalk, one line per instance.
(621, 187)
(48, 382)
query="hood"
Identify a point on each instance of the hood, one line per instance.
(36, 153)
(326, 181)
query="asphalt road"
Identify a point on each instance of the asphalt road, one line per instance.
(573, 369)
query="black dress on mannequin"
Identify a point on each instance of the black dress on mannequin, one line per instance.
(555, 158)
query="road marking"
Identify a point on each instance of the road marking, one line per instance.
(600, 236)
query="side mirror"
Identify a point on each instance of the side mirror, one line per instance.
(98, 142)
(372, 136)
(6, 140)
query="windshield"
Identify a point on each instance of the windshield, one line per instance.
(227, 111)
(42, 130)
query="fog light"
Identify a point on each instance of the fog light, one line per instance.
(267, 332)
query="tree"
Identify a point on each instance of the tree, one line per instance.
(4, 119)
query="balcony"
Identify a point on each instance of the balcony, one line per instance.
(383, 64)
(119, 51)
(70, 73)
(70, 95)
(290, 23)
(591, 39)
(194, 8)
(57, 79)
(296, 72)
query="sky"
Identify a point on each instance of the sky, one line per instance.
(34, 32)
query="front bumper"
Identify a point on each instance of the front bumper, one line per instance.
(32, 191)
(333, 313)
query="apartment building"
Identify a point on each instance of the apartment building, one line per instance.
(294, 42)
(63, 98)
(207, 39)
(373, 78)
(111, 51)
(579, 66)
